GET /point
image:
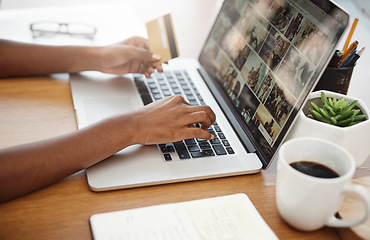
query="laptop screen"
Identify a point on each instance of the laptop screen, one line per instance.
(266, 56)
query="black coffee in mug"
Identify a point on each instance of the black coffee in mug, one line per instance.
(314, 169)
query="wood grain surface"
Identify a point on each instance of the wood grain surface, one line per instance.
(37, 108)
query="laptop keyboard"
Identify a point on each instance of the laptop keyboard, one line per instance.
(168, 83)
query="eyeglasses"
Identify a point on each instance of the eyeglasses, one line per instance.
(49, 29)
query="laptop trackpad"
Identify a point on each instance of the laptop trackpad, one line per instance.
(98, 109)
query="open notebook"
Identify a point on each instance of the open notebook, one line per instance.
(220, 218)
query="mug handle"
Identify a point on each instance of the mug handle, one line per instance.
(364, 194)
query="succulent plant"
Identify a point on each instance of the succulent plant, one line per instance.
(338, 112)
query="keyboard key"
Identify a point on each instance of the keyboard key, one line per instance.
(163, 148)
(151, 80)
(170, 148)
(217, 128)
(212, 132)
(146, 98)
(167, 157)
(219, 149)
(205, 153)
(165, 88)
(155, 90)
(143, 90)
(215, 141)
(138, 77)
(221, 136)
(168, 74)
(193, 148)
(181, 150)
(167, 93)
(166, 148)
(198, 154)
(230, 150)
(204, 145)
(185, 87)
(209, 152)
(201, 140)
(158, 75)
(176, 91)
(191, 98)
(225, 143)
(190, 141)
(157, 96)
(152, 85)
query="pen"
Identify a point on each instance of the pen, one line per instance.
(352, 61)
(336, 60)
(351, 31)
(349, 50)
(345, 61)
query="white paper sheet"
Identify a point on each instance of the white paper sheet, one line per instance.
(231, 217)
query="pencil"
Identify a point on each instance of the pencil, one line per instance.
(352, 60)
(351, 31)
(349, 50)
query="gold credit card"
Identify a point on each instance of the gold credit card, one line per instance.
(162, 39)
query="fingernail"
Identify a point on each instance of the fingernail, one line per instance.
(156, 56)
(212, 136)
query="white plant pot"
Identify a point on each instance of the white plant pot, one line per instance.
(356, 138)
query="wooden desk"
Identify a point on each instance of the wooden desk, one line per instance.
(37, 108)
(33, 109)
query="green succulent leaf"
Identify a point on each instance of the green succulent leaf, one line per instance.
(314, 105)
(355, 112)
(348, 107)
(344, 116)
(316, 115)
(333, 121)
(354, 123)
(331, 103)
(323, 98)
(345, 122)
(359, 117)
(324, 113)
(329, 109)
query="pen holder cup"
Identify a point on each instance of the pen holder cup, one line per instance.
(335, 80)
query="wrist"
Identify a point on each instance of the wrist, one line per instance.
(92, 58)
(124, 130)
(76, 58)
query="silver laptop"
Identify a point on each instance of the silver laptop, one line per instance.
(260, 61)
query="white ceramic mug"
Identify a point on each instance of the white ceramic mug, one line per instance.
(308, 203)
